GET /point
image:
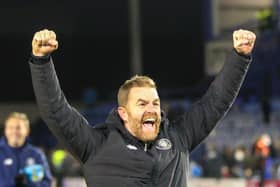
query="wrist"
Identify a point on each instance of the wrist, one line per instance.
(34, 59)
(247, 56)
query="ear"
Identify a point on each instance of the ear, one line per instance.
(122, 113)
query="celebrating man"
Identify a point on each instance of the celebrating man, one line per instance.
(136, 145)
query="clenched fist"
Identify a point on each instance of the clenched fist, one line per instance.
(243, 41)
(44, 42)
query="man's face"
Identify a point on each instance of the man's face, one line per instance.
(16, 132)
(143, 117)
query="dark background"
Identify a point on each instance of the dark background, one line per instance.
(94, 44)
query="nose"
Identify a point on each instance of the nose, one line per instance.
(151, 108)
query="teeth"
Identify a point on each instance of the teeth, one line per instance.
(149, 120)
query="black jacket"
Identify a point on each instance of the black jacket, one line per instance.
(110, 155)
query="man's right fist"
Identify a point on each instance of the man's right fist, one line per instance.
(44, 42)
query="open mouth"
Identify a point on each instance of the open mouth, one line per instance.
(149, 124)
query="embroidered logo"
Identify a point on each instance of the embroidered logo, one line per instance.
(131, 147)
(8, 161)
(163, 144)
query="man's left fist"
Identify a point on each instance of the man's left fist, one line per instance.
(243, 41)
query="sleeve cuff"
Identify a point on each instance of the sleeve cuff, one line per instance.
(40, 59)
(248, 57)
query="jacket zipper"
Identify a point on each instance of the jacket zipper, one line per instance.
(145, 147)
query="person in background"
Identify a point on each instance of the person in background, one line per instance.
(21, 164)
(263, 154)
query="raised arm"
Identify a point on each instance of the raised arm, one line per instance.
(62, 119)
(197, 123)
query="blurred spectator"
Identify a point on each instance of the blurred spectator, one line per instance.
(263, 152)
(214, 162)
(64, 165)
(195, 169)
(21, 163)
(242, 166)
(228, 162)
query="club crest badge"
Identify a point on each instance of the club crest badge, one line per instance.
(163, 144)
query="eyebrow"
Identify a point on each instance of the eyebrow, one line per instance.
(145, 101)
(156, 100)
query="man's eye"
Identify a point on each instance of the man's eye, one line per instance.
(156, 104)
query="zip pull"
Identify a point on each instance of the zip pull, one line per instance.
(146, 147)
